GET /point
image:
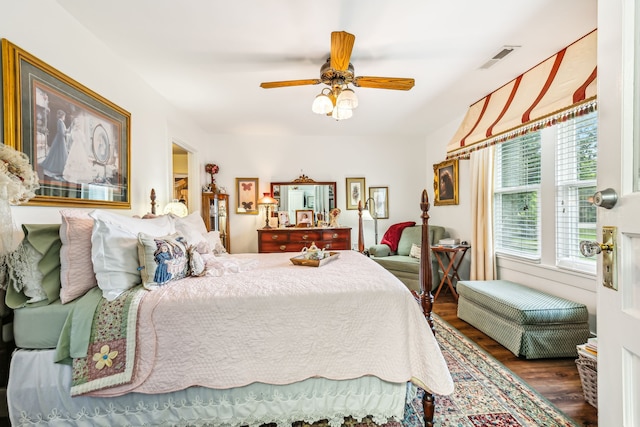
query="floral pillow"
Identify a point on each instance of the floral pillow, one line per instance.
(162, 259)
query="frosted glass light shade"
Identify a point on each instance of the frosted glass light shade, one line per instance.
(322, 104)
(342, 113)
(176, 208)
(347, 99)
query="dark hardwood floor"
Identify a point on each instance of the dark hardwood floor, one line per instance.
(556, 379)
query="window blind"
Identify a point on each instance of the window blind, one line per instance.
(576, 161)
(517, 198)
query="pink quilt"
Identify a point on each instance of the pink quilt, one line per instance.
(280, 323)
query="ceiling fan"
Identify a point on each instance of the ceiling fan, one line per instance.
(338, 101)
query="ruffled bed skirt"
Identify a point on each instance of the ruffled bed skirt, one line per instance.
(38, 394)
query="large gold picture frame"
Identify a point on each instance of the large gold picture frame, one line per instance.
(445, 182)
(78, 142)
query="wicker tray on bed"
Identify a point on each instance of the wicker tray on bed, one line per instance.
(301, 260)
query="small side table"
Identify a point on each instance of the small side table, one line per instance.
(453, 260)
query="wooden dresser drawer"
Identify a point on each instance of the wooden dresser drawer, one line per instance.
(294, 239)
(273, 236)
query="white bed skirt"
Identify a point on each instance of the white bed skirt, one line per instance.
(39, 394)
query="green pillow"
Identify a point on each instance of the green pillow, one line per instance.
(45, 240)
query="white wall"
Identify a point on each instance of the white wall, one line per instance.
(46, 31)
(397, 164)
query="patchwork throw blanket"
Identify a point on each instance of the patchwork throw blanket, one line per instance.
(112, 345)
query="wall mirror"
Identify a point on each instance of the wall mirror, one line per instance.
(304, 193)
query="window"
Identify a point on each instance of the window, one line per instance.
(516, 196)
(576, 160)
(524, 197)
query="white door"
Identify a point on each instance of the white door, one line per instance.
(618, 168)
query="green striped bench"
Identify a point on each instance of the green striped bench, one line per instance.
(528, 322)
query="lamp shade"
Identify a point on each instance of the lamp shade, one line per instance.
(266, 199)
(366, 215)
(322, 104)
(342, 113)
(176, 208)
(347, 99)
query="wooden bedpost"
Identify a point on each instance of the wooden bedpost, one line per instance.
(153, 201)
(360, 226)
(426, 298)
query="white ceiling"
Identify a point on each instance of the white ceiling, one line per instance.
(208, 57)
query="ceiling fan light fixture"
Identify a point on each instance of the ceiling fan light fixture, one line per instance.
(342, 113)
(322, 104)
(347, 99)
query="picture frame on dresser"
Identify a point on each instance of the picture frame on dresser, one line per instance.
(247, 196)
(77, 140)
(283, 218)
(304, 218)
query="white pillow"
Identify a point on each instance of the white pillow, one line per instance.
(114, 249)
(215, 244)
(192, 227)
(415, 251)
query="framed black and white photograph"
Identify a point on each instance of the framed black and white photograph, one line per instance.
(78, 141)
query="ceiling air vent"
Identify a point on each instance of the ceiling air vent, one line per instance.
(506, 50)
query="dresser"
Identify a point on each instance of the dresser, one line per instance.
(294, 239)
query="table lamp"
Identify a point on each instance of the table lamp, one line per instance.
(267, 201)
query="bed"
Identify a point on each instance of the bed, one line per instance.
(229, 340)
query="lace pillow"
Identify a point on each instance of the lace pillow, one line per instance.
(34, 268)
(415, 251)
(162, 259)
(192, 227)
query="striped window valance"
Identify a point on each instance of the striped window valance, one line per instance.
(556, 89)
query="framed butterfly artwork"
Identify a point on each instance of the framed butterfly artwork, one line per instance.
(247, 196)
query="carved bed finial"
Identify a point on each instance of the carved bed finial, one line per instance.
(153, 201)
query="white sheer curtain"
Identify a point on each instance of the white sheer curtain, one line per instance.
(483, 264)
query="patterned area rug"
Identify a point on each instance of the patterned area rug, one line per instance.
(486, 393)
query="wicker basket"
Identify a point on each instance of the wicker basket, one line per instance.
(588, 370)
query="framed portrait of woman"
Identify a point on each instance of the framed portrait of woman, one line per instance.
(445, 182)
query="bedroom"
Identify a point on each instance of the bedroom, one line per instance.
(56, 37)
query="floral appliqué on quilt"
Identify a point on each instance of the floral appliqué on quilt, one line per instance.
(111, 350)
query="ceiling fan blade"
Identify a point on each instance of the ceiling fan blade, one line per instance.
(286, 83)
(396, 83)
(341, 47)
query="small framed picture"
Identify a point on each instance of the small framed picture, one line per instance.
(379, 199)
(304, 218)
(355, 191)
(283, 218)
(247, 196)
(445, 182)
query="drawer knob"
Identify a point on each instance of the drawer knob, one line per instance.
(334, 236)
(305, 237)
(283, 248)
(274, 237)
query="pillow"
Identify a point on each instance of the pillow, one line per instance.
(35, 286)
(415, 251)
(197, 266)
(192, 227)
(162, 259)
(114, 249)
(215, 244)
(76, 268)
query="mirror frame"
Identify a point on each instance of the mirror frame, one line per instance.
(305, 180)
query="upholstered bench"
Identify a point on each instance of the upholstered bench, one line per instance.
(528, 322)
